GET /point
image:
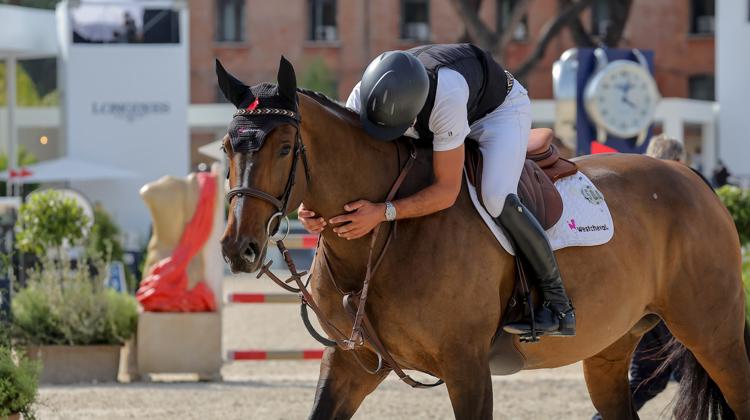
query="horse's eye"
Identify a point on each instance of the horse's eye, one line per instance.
(285, 150)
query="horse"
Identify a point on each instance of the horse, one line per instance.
(440, 291)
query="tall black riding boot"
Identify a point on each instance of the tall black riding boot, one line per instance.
(556, 316)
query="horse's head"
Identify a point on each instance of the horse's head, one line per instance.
(263, 147)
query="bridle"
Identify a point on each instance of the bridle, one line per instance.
(354, 302)
(280, 203)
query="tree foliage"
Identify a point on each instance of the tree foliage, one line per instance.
(567, 16)
(104, 236)
(38, 4)
(47, 220)
(27, 91)
(320, 78)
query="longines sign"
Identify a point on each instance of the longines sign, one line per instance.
(129, 111)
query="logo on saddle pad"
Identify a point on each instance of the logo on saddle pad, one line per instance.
(589, 228)
(592, 195)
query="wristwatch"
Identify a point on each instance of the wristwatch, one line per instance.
(390, 211)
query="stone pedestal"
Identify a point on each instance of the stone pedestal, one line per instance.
(180, 343)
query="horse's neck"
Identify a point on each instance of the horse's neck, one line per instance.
(344, 167)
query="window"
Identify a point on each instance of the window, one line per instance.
(230, 22)
(702, 16)
(702, 87)
(323, 20)
(415, 20)
(504, 14)
(600, 19)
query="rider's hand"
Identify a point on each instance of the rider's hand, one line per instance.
(309, 220)
(363, 218)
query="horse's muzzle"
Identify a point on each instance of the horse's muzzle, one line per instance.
(241, 253)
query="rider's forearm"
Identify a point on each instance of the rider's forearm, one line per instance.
(430, 200)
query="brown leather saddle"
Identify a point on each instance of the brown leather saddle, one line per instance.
(536, 187)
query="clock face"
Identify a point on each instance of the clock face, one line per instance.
(622, 98)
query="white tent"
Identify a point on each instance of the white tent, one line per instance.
(67, 169)
(213, 150)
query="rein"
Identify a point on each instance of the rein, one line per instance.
(354, 302)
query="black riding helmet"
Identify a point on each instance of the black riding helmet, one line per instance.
(393, 90)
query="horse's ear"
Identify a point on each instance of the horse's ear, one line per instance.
(287, 80)
(234, 90)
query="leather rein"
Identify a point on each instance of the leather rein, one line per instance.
(354, 302)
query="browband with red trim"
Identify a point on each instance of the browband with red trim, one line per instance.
(266, 111)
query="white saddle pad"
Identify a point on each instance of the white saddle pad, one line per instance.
(585, 221)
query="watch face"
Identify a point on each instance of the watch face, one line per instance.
(622, 98)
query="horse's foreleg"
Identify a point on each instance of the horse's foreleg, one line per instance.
(607, 379)
(470, 389)
(342, 385)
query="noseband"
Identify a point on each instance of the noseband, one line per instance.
(281, 203)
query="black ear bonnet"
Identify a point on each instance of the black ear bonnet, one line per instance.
(248, 130)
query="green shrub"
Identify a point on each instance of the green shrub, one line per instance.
(104, 239)
(737, 201)
(104, 236)
(18, 384)
(47, 220)
(66, 306)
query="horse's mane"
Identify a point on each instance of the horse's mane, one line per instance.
(332, 105)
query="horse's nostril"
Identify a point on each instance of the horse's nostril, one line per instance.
(249, 252)
(252, 250)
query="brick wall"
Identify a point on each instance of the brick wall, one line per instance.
(281, 27)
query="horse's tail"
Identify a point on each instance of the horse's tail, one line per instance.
(698, 396)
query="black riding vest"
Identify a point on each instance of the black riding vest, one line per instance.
(486, 79)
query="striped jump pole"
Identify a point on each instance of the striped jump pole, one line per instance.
(256, 355)
(301, 241)
(238, 297)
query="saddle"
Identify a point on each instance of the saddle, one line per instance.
(536, 187)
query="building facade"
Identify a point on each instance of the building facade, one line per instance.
(330, 42)
(250, 35)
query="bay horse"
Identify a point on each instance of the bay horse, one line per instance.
(437, 298)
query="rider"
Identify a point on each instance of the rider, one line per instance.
(443, 94)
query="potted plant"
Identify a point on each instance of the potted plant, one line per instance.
(65, 315)
(18, 385)
(72, 323)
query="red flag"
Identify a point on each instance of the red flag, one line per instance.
(597, 148)
(21, 173)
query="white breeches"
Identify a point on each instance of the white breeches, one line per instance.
(503, 136)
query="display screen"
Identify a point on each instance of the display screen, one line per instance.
(124, 24)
